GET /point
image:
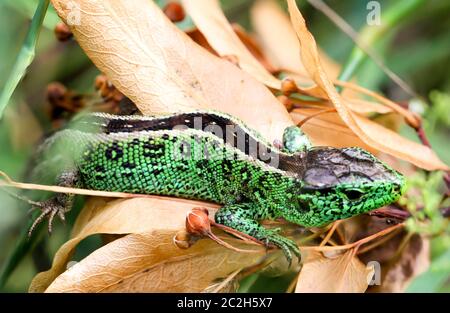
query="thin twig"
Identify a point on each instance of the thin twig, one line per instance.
(302, 122)
(229, 246)
(330, 233)
(354, 244)
(8, 182)
(377, 243)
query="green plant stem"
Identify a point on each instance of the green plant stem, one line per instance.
(27, 8)
(25, 56)
(393, 16)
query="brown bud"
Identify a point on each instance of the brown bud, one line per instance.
(100, 82)
(63, 32)
(62, 101)
(55, 93)
(174, 11)
(414, 122)
(197, 222)
(288, 86)
(107, 90)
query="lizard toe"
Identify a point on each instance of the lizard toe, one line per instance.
(288, 247)
(49, 209)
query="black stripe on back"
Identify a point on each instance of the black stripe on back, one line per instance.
(216, 124)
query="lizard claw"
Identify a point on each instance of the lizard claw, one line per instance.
(288, 246)
(49, 209)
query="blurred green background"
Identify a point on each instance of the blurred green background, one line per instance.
(417, 49)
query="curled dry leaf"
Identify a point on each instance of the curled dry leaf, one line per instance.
(279, 41)
(149, 262)
(342, 273)
(210, 20)
(161, 69)
(253, 46)
(370, 132)
(223, 39)
(129, 261)
(285, 50)
(409, 116)
(365, 107)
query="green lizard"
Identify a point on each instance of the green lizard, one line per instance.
(214, 157)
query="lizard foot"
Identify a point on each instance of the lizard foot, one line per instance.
(288, 246)
(49, 208)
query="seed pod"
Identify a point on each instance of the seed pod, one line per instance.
(288, 86)
(107, 90)
(197, 222)
(174, 11)
(63, 101)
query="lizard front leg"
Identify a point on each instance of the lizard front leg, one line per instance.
(243, 217)
(60, 204)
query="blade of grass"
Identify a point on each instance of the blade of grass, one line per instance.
(25, 56)
(27, 8)
(393, 16)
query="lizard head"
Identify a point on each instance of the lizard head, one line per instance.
(340, 183)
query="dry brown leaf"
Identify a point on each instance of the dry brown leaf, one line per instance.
(150, 262)
(162, 70)
(115, 217)
(154, 217)
(366, 107)
(222, 38)
(328, 129)
(198, 37)
(342, 273)
(225, 40)
(246, 39)
(210, 20)
(399, 268)
(253, 46)
(371, 133)
(280, 42)
(409, 116)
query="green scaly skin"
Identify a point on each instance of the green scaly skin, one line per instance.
(145, 155)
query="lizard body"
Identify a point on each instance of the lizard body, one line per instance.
(214, 157)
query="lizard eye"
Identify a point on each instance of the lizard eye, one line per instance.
(353, 194)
